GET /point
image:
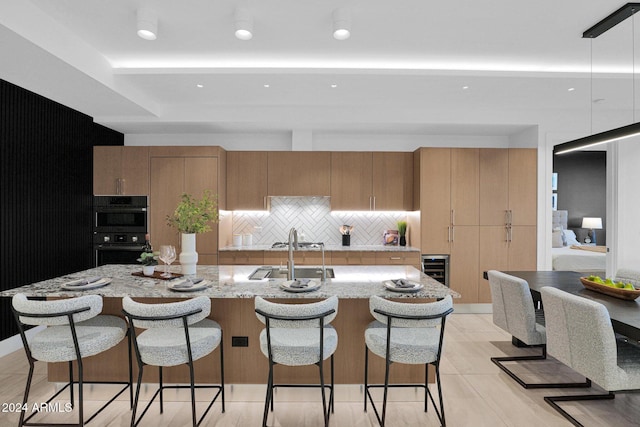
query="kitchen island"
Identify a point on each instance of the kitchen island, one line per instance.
(232, 296)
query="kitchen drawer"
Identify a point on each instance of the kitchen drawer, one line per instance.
(242, 258)
(398, 258)
(353, 258)
(299, 257)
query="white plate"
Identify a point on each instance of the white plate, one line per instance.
(312, 285)
(70, 286)
(181, 285)
(392, 286)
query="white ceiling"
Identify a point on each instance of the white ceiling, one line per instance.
(402, 71)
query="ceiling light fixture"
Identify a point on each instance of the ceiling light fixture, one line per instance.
(628, 131)
(200, 85)
(341, 24)
(267, 85)
(147, 21)
(334, 85)
(244, 24)
(571, 89)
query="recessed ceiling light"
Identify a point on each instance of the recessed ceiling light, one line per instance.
(199, 85)
(571, 89)
(465, 87)
(334, 85)
(267, 85)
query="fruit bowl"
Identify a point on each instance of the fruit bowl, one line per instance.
(621, 293)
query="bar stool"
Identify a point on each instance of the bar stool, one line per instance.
(75, 331)
(514, 312)
(175, 333)
(410, 334)
(298, 335)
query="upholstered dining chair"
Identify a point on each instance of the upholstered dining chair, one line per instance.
(406, 333)
(298, 335)
(514, 312)
(175, 333)
(75, 330)
(580, 335)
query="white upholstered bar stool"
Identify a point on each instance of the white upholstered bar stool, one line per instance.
(580, 335)
(298, 335)
(406, 333)
(514, 312)
(75, 331)
(175, 333)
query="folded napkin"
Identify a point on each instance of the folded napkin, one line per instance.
(402, 283)
(82, 282)
(300, 283)
(187, 283)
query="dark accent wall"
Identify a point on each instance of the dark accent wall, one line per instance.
(582, 189)
(46, 163)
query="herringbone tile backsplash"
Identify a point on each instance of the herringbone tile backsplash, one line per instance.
(313, 217)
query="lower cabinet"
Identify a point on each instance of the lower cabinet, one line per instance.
(315, 258)
(398, 258)
(353, 258)
(242, 258)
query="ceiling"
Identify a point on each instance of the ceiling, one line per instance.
(470, 67)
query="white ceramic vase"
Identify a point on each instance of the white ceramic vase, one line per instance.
(148, 270)
(188, 255)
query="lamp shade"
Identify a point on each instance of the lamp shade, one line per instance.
(592, 223)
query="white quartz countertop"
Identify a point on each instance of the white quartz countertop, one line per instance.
(328, 248)
(232, 282)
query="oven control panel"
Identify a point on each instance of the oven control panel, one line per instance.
(134, 239)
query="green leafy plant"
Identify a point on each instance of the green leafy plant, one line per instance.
(148, 259)
(402, 227)
(193, 215)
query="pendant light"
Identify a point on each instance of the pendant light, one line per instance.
(628, 131)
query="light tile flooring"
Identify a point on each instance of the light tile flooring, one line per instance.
(476, 394)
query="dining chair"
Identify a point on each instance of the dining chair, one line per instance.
(298, 335)
(410, 334)
(628, 275)
(75, 330)
(515, 313)
(175, 333)
(580, 335)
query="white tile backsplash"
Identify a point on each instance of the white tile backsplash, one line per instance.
(313, 217)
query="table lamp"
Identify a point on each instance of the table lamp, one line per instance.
(592, 224)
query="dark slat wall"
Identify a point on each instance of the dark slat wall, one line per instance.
(46, 187)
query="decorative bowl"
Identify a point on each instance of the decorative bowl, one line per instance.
(626, 294)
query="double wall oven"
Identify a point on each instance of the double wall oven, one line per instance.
(119, 228)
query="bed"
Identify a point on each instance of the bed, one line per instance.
(568, 254)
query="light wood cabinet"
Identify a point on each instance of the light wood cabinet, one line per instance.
(353, 258)
(508, 210)
(241, 258)
(351, 181)
(120, 170)
(299, 257)
(371, 181)
(247, 180)
(398, 258)
(178, 170)
(298, 173)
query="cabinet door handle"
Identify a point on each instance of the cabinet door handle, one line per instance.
(370, 203)
(506, 233)
(506, 217)
(374, 203)
(453, 217)
(448, 233)
(510, 234)
(395, 258)
(453, 233)
(510, 217)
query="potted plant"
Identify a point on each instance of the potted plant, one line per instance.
(191, 217)
(149, 262)
(402, 231)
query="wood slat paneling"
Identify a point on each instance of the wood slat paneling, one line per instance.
(46, 192)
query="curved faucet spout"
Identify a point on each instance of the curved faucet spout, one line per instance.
(293, 244)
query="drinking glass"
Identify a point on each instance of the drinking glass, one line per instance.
(167, 255)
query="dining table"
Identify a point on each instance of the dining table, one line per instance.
(624, 314)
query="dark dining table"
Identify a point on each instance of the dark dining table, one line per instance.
(624, 314)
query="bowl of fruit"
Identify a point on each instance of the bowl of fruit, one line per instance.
(611, 287)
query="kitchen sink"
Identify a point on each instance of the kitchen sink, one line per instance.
(281, 273)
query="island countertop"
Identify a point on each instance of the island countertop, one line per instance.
(231, 281)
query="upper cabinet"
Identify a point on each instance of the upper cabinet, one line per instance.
(120, 170)
(247, 180)
(298, 173)
(371, 181)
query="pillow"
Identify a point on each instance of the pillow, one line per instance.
(564, 238)
(556, 239)
(571, 238)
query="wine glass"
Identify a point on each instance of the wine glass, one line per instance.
(167, 255)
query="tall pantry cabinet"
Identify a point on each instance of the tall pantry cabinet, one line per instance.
(178, 170)
(478, 206)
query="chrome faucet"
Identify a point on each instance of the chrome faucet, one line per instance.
(293, 244)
